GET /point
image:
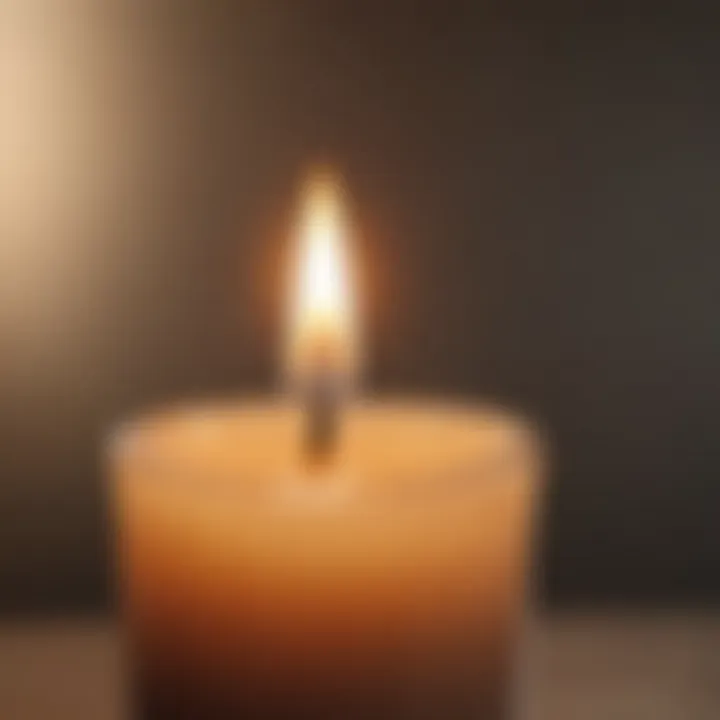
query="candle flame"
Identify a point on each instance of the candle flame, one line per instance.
(322, 328)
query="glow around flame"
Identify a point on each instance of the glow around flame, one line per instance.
(322, 320)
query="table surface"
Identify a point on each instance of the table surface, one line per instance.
(581, 667)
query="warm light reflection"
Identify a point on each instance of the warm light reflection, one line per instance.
(322, 334)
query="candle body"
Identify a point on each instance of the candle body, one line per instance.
(393, 587)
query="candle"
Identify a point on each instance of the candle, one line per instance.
(386, 581)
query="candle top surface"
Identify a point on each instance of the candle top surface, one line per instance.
(394, 446)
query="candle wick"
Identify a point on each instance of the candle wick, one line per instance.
(323, 407)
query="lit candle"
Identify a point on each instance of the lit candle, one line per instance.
(392, 589)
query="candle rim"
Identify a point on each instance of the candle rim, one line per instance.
(466, 473)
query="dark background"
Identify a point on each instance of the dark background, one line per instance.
(536, 195)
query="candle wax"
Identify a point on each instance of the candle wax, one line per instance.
(390, 585)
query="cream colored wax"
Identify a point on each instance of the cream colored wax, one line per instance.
(388, 586)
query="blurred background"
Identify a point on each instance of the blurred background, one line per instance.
(535, 193)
